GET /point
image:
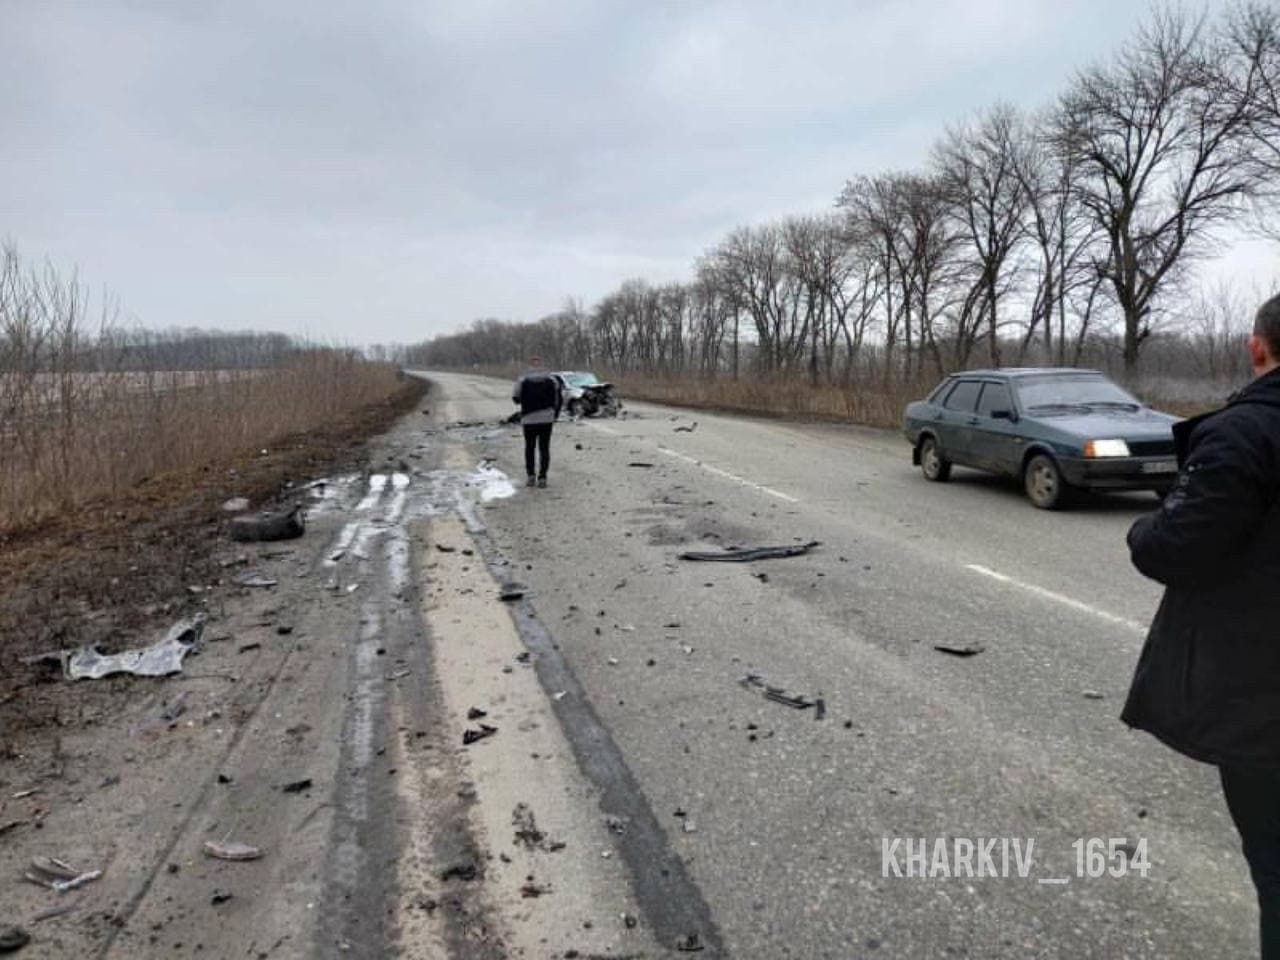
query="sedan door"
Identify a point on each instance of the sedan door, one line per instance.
(994, 442)
(954, 421)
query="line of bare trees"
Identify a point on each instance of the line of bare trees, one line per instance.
(1054, 236)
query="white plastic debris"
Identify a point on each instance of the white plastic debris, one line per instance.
(231, 850)
(158, 660)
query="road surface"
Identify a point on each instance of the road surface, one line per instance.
(624, 790)
(1019, 741)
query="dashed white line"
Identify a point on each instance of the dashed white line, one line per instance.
(1062, 599)
(729, 476)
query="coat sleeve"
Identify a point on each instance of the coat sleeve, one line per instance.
(1218, 502)
(515, 391)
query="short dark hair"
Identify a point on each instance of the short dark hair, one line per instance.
(1267, 325)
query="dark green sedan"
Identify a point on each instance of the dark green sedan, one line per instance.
(1057, 430)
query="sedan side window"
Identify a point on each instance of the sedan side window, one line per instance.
(995, 396)
(964, 397)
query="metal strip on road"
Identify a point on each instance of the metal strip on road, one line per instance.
(1059, 598)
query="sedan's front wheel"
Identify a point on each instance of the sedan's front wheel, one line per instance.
(933, 464)
(1044, 483)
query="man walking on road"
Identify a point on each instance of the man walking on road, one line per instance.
(538, 394)
(1208, 679)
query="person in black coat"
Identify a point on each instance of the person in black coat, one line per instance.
(1207, 681)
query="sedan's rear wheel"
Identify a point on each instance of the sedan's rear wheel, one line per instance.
(933, 464)
(1044, 483)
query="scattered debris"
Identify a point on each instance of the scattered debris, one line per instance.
(13, 938)
(615, 824)
(58, 875)
(470, 736)
(284, 630)
(246, 647)
(22, 794)
(51, 912)
(255, 578)
(641, 464)
(219, 897)
(465, 872)
(158, 660)
(532, 889)
(475, 713)
(753, 681)
(689, 944)
(528, 834)
(1091, 694)
(443, 548)
(236, 505)
(297, 786)
(732, 555)
(689, 429)
(511, 592)
(231, 850)
(959, 649)
(269, 525)
(171, 710)
(12, 825)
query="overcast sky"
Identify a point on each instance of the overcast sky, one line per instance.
(388, 169)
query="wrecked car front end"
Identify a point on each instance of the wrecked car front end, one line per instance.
(586, 396)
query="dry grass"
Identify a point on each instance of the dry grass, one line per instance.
(873, 404)
(83, 416)
(104, 433)
(869, 402)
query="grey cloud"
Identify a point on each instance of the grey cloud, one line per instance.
(384, 169)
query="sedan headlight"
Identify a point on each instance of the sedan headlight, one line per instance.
(1105, 448)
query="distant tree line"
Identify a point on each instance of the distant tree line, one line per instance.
(45, 327)
(1056, 236)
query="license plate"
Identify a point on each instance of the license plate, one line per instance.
(1160, 466)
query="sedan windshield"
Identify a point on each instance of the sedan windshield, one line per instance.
(1090, 392)
(580, 379)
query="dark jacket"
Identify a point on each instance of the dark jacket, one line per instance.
(539, 396)
(1208, 679)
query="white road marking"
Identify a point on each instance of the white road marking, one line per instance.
(1066, 601)
(729, 476)
(1057, 880)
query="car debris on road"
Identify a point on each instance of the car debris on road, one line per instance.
(231, 850)
(58, 875)
(161, 659)
(753, 681)
(288, 524)
(13, 938)
(960, 649)
(750, 554)
(470, 736)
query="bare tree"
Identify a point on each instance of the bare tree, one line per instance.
(978, 166)
(1158, 161)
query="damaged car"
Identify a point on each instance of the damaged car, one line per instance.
(586, 396)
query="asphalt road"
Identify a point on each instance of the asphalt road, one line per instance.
(781, 819)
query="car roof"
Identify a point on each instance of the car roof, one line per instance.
(1014, 372)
